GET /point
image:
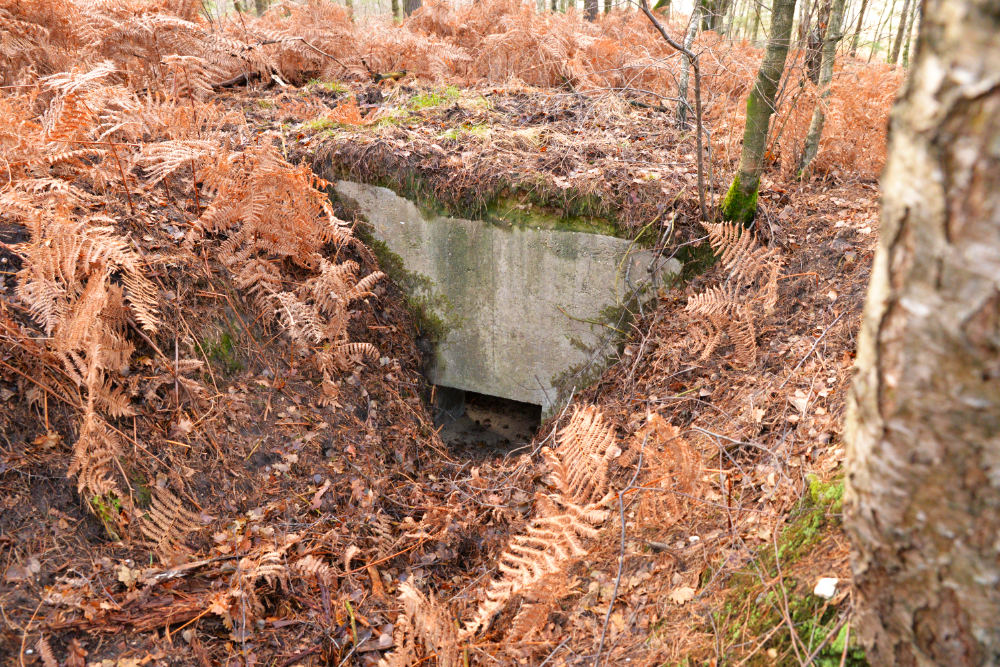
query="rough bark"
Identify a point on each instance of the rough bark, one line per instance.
(903, 22)
(830, 42)
(923, 430)
(740, 202)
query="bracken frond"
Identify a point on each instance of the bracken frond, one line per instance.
(565, 519)
(167, 523)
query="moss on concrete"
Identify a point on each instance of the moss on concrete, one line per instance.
(514, 210)
(421, 299)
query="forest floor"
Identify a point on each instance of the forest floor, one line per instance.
(314, 502)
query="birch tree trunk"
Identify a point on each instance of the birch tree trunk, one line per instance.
(830, 42)
(740, 202)
(923, 427)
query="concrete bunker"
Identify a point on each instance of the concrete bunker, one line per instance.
(521, 312)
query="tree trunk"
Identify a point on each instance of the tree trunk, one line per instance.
(590, 9)
(909, 36)
(607, 6)
(894, 56)
(712, 12)
(923, 428)
(756, 21)
(740, 203)
(830, 42)
(682, 86)
(878, 29)
(260, 6)
(395, 10)
(410, 6)
(814, 43)
(857, 28)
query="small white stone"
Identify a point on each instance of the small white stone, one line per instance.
(826, 587)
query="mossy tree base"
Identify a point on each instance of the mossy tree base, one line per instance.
(740, 203)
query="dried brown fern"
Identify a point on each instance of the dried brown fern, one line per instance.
(670, 464)
(749, 291)
(572, 512)
(167, 523)
(426, 620)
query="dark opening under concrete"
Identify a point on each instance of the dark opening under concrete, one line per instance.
(469, 420)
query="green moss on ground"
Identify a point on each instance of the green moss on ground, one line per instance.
(466, 131)
(757, 597)
(221, 351)
(434, 98)
(107, 508)
(330, 86)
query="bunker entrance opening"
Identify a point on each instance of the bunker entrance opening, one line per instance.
(484, 424)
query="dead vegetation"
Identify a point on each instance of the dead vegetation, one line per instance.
(191, 335)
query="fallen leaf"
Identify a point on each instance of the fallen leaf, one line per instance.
(681, 595)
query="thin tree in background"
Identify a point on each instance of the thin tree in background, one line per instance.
(756, 21)
(395, 10)
(909, 36)
(682, 86)
(878, 28)
(830, 42)
(713, 12)
(922, 499)
(740, 202)
(699, 127)
(857, 28)
(903, 24)
(814, 43)
(590, 9)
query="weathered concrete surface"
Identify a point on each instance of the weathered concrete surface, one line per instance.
(522, 307)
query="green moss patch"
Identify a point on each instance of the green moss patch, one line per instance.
(221, 351)
(421, 299)
(778, 579)
(434, 98)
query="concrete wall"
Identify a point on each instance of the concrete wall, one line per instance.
(517, 302)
